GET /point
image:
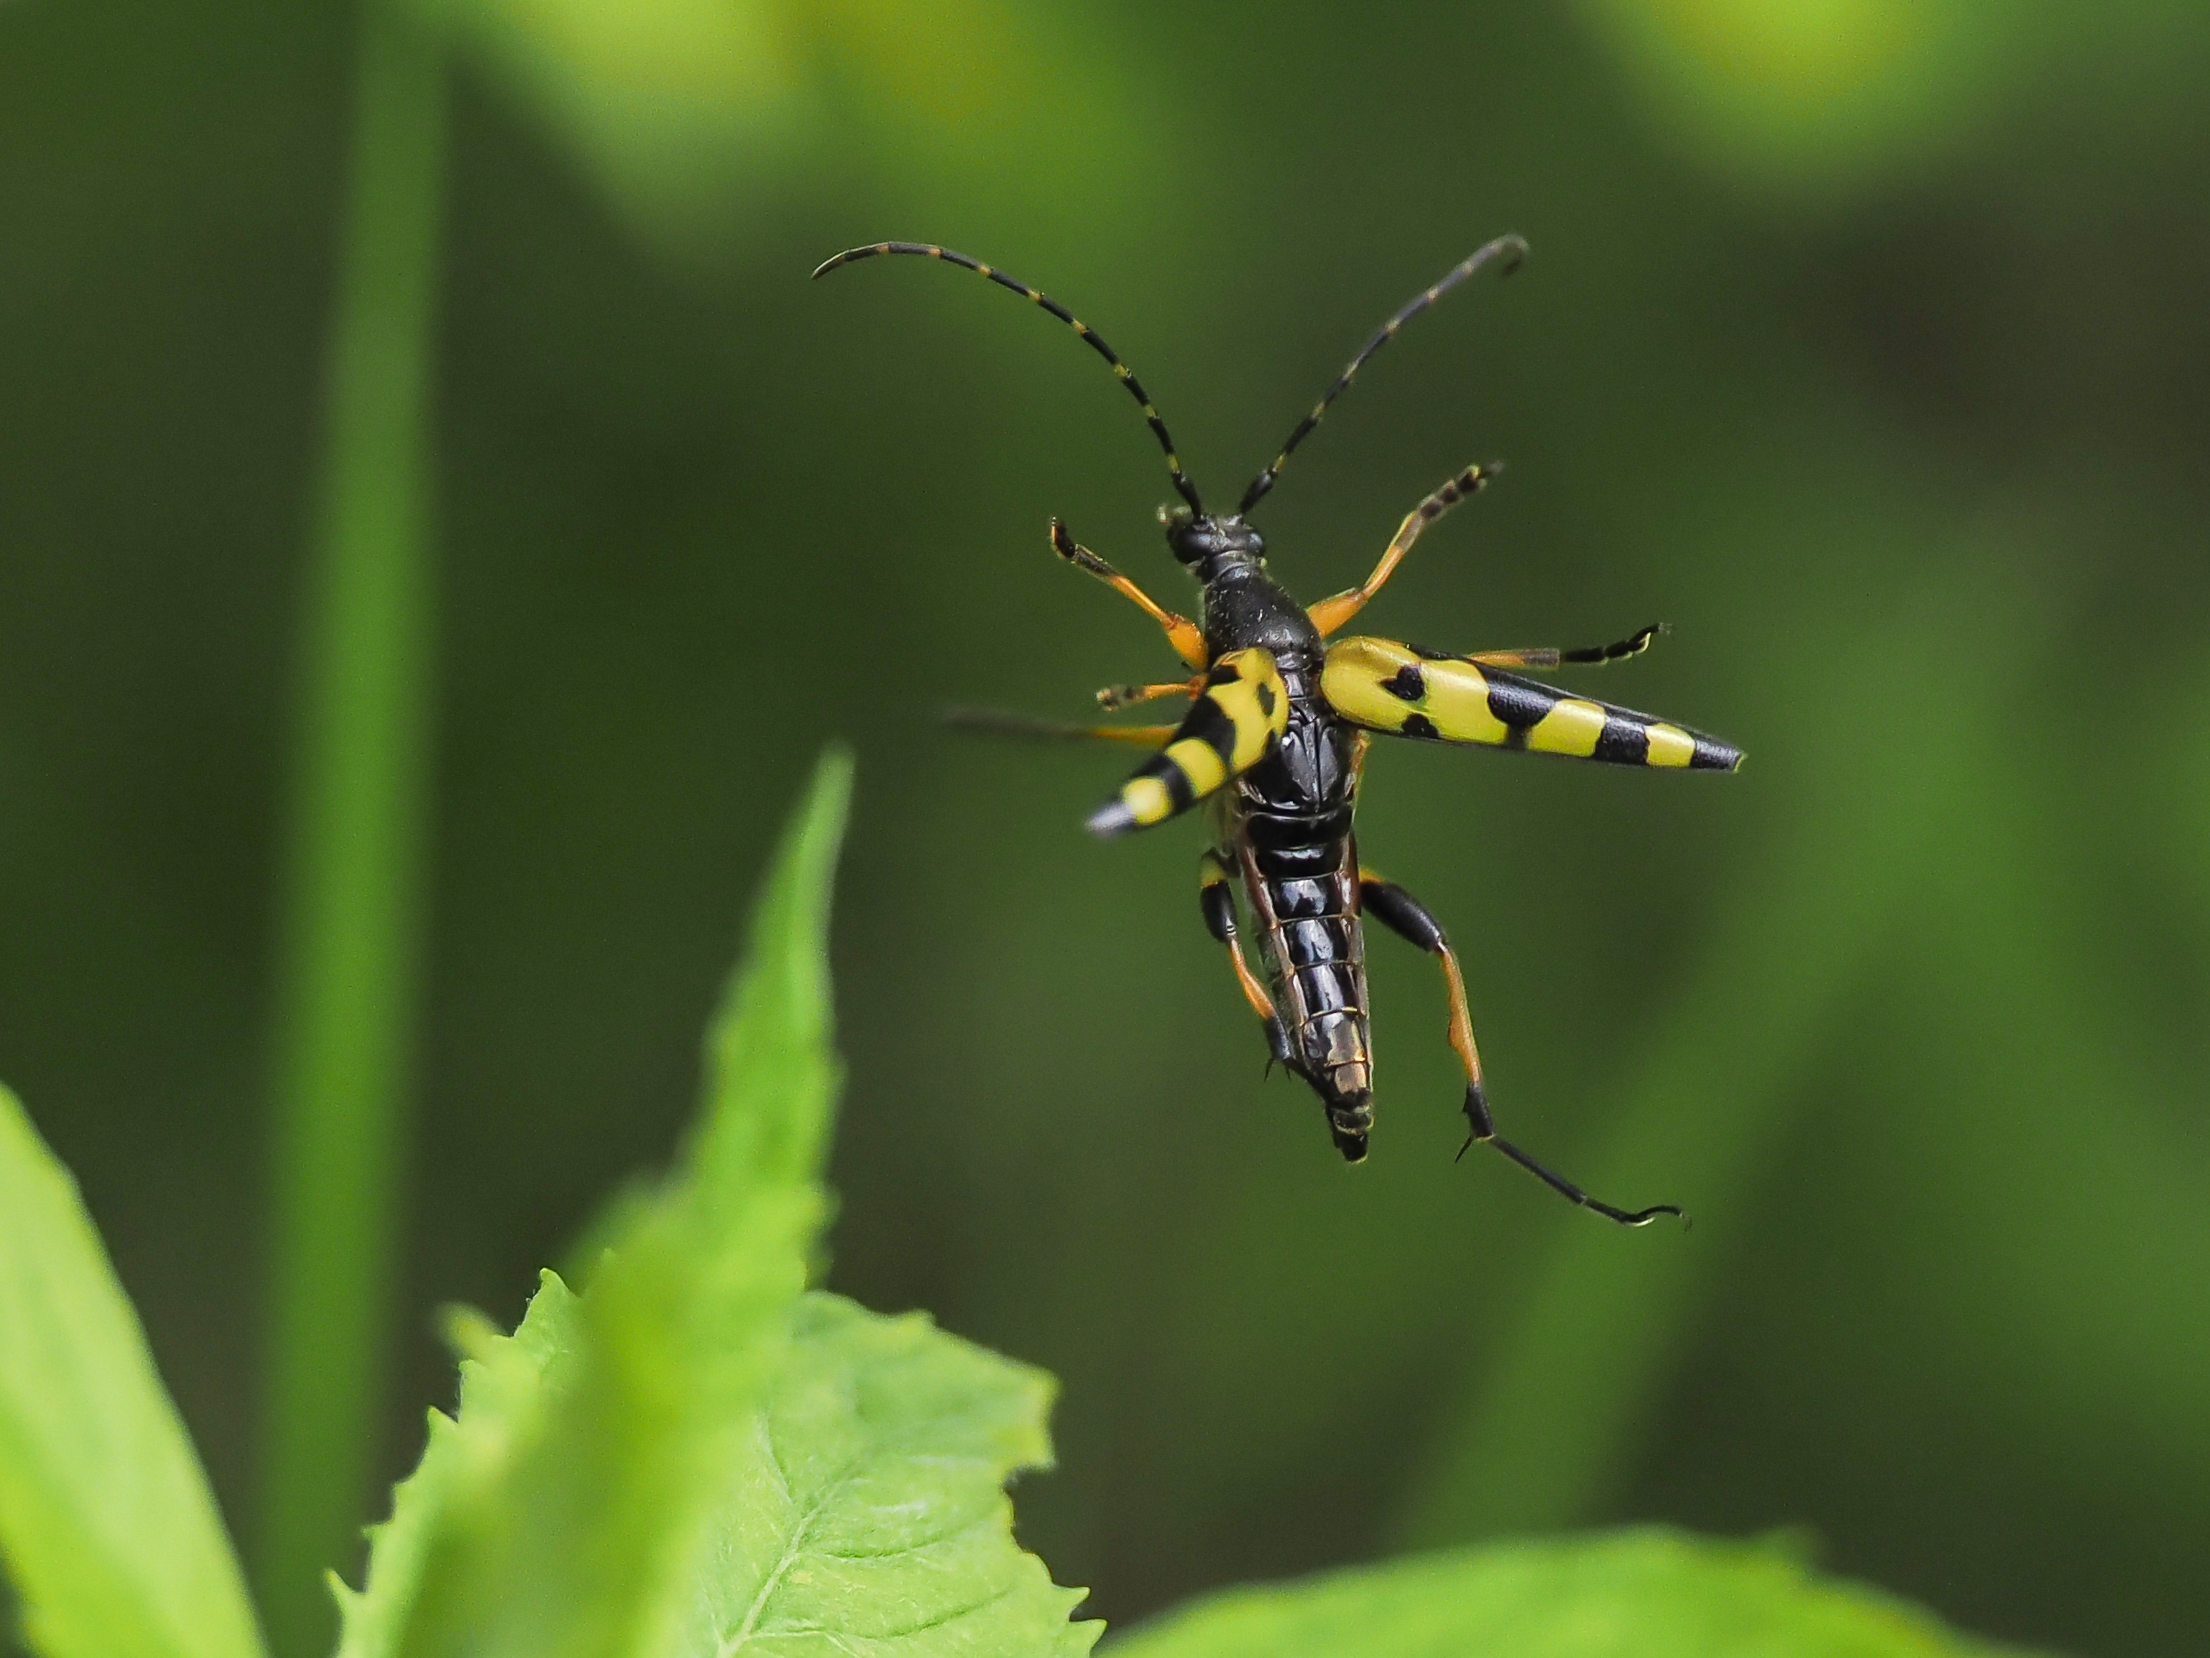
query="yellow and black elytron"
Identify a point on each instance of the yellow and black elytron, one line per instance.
(1285, 717)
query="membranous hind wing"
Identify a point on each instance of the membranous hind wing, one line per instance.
(1385, 686)
(1232, 725)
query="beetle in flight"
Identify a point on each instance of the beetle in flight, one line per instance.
(1276, 735)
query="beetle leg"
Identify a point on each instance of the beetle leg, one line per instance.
(1409, 919)
(1022, 725)
(1123, 696)
(1183, 634)
(1330, 614)
(1551, 657)
(1216, 899)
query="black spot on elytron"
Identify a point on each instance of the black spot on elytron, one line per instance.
(1266, 699)
(1623, 742)
(1419, 725)
(1211, 725)
(1407, 684)
(1519, 703)
(1713, 755)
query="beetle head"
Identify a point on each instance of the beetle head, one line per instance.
(1208, 543)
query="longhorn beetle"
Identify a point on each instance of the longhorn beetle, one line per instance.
(1285, 717)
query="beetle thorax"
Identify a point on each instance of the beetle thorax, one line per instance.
(1244, 606)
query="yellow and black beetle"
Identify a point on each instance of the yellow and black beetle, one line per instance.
(1285, 717)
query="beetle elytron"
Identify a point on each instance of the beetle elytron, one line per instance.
(1285, 717)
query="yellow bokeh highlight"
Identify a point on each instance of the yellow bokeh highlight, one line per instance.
(687, 110)
(1818, 50)
(719, 56)
(1811, 93)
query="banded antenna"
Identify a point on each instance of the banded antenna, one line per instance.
(928, 250)
(1510, 249)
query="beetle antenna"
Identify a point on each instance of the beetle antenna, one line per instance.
(1510, 249)
(929, 250)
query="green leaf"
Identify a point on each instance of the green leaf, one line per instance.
(867, 1512)
(1635, 1594)
(106, 1522)
(575, 1521)
(502, 1397)
(690, 1458)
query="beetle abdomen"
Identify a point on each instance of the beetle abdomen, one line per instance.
(1315, 953)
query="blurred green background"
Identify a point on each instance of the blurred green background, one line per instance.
(1864, 341)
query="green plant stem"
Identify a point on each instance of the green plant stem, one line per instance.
(346, 990)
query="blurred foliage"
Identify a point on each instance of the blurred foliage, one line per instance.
(1829, 89)
(1891, 399)
(688, 112)
(1638, 1594)
(1828, 97)
(106, 1523)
